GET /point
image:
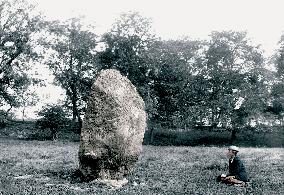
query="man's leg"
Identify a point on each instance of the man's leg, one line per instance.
(232, 180)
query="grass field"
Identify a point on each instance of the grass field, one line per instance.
(45, 167)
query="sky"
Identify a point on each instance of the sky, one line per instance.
(262, 19)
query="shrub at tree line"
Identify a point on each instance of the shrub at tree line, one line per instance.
(54, 118)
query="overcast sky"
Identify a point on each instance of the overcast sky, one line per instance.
(263, 19)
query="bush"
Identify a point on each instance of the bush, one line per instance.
(54, 118)
(5, 118)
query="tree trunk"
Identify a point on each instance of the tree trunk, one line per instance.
(74, 98)
(73, 93)
(233, 135)
(151, 135)
(23, 114)
(7, 112)
(74, 110)
(54, 133)
(80, 123)
(155, 126)
(74, 107)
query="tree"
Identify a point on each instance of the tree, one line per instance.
(173, 64)
(54, 118)
(5, 118)
(127, 43)
(27, 99)
(279, 58)
(276, 98)
(233, 69)
(277, 91)
(72, 51)
(128, 46)
(17, 29)
(276, 107)
(198, 83)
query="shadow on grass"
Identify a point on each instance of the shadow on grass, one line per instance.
(72, 175)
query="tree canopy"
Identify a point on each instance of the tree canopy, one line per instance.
(17, 27)
(71, 50)
(219, 82)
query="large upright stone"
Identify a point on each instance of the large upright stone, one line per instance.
(113, 128)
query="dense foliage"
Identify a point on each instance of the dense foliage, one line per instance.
(218, 83)
(18, 27)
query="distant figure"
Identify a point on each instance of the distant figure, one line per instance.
(237, 172)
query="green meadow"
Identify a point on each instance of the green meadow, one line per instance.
(46, 167)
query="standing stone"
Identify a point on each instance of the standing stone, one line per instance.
(113, 128)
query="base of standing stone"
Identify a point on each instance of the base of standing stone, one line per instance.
(113, 183)
(92, 169)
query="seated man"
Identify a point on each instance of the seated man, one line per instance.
(237, 172)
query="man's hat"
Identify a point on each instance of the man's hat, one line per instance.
(234, 148)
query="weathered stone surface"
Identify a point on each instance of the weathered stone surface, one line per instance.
(113, 128)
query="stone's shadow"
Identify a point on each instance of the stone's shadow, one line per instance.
(75, 176)
(72, 175)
